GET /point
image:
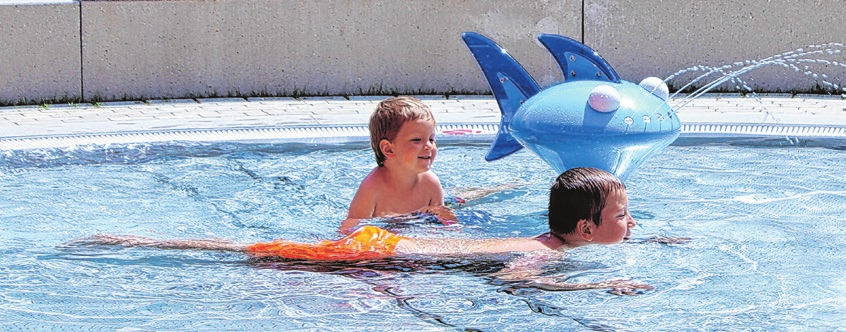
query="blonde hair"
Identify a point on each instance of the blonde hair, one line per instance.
(388, 118)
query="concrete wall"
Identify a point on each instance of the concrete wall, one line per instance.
(39, 52)
(135, 50)
(153, 49)
(658, 38)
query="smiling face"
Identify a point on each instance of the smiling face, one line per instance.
(616, 222)
(414, 147)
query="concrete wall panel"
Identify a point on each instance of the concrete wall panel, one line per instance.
(658, 38)
(171, 49)
(39, 57)
(132, 50)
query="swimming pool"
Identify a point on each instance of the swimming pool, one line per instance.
(766, 222)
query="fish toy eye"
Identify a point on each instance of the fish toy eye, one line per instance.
(656, 86)
(604, 98)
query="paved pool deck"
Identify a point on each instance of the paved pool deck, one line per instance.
(238, 118)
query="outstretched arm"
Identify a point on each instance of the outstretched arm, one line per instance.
(140, 241)
(665, 239)
(474, 193)
(526, 273)
(618, 287)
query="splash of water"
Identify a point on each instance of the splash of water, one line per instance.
(799, 60)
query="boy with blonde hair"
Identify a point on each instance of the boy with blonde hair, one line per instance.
(402, 136)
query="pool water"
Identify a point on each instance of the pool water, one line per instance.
(767, 225)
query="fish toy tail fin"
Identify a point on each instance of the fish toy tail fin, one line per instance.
(510, 84)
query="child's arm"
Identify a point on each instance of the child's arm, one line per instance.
(617, 287)
(140, 241)
(436, 204)
(362, 206)
(437, 189)
(444, 214)
(473, 193)
(526, 273)
(363, 203)
(665, 239)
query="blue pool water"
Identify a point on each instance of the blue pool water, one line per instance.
(767, 225)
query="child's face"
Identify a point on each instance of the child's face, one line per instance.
(414, 147)
(616, 222)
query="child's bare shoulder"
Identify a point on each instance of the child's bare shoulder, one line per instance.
(430, 181)
(430, 177)
(373, 181)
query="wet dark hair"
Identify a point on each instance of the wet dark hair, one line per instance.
(388, 118)
(579, 193)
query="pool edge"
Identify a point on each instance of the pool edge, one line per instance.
(312, 134)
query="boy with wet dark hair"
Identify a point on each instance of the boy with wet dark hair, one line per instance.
(586, 206)
(578, 199)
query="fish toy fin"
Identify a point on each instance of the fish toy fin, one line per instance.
(577, 61)
(510, 84)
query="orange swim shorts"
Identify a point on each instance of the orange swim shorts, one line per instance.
(368, 242)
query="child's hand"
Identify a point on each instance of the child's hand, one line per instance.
(444, 214)
(454, 201)
(626, 287)
(348, 225)
(667, 240)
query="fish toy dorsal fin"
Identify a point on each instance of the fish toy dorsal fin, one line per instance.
(577, 61)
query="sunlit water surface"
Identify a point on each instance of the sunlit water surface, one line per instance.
(767, 227)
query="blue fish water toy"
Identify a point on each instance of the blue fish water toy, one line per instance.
(591, 119)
